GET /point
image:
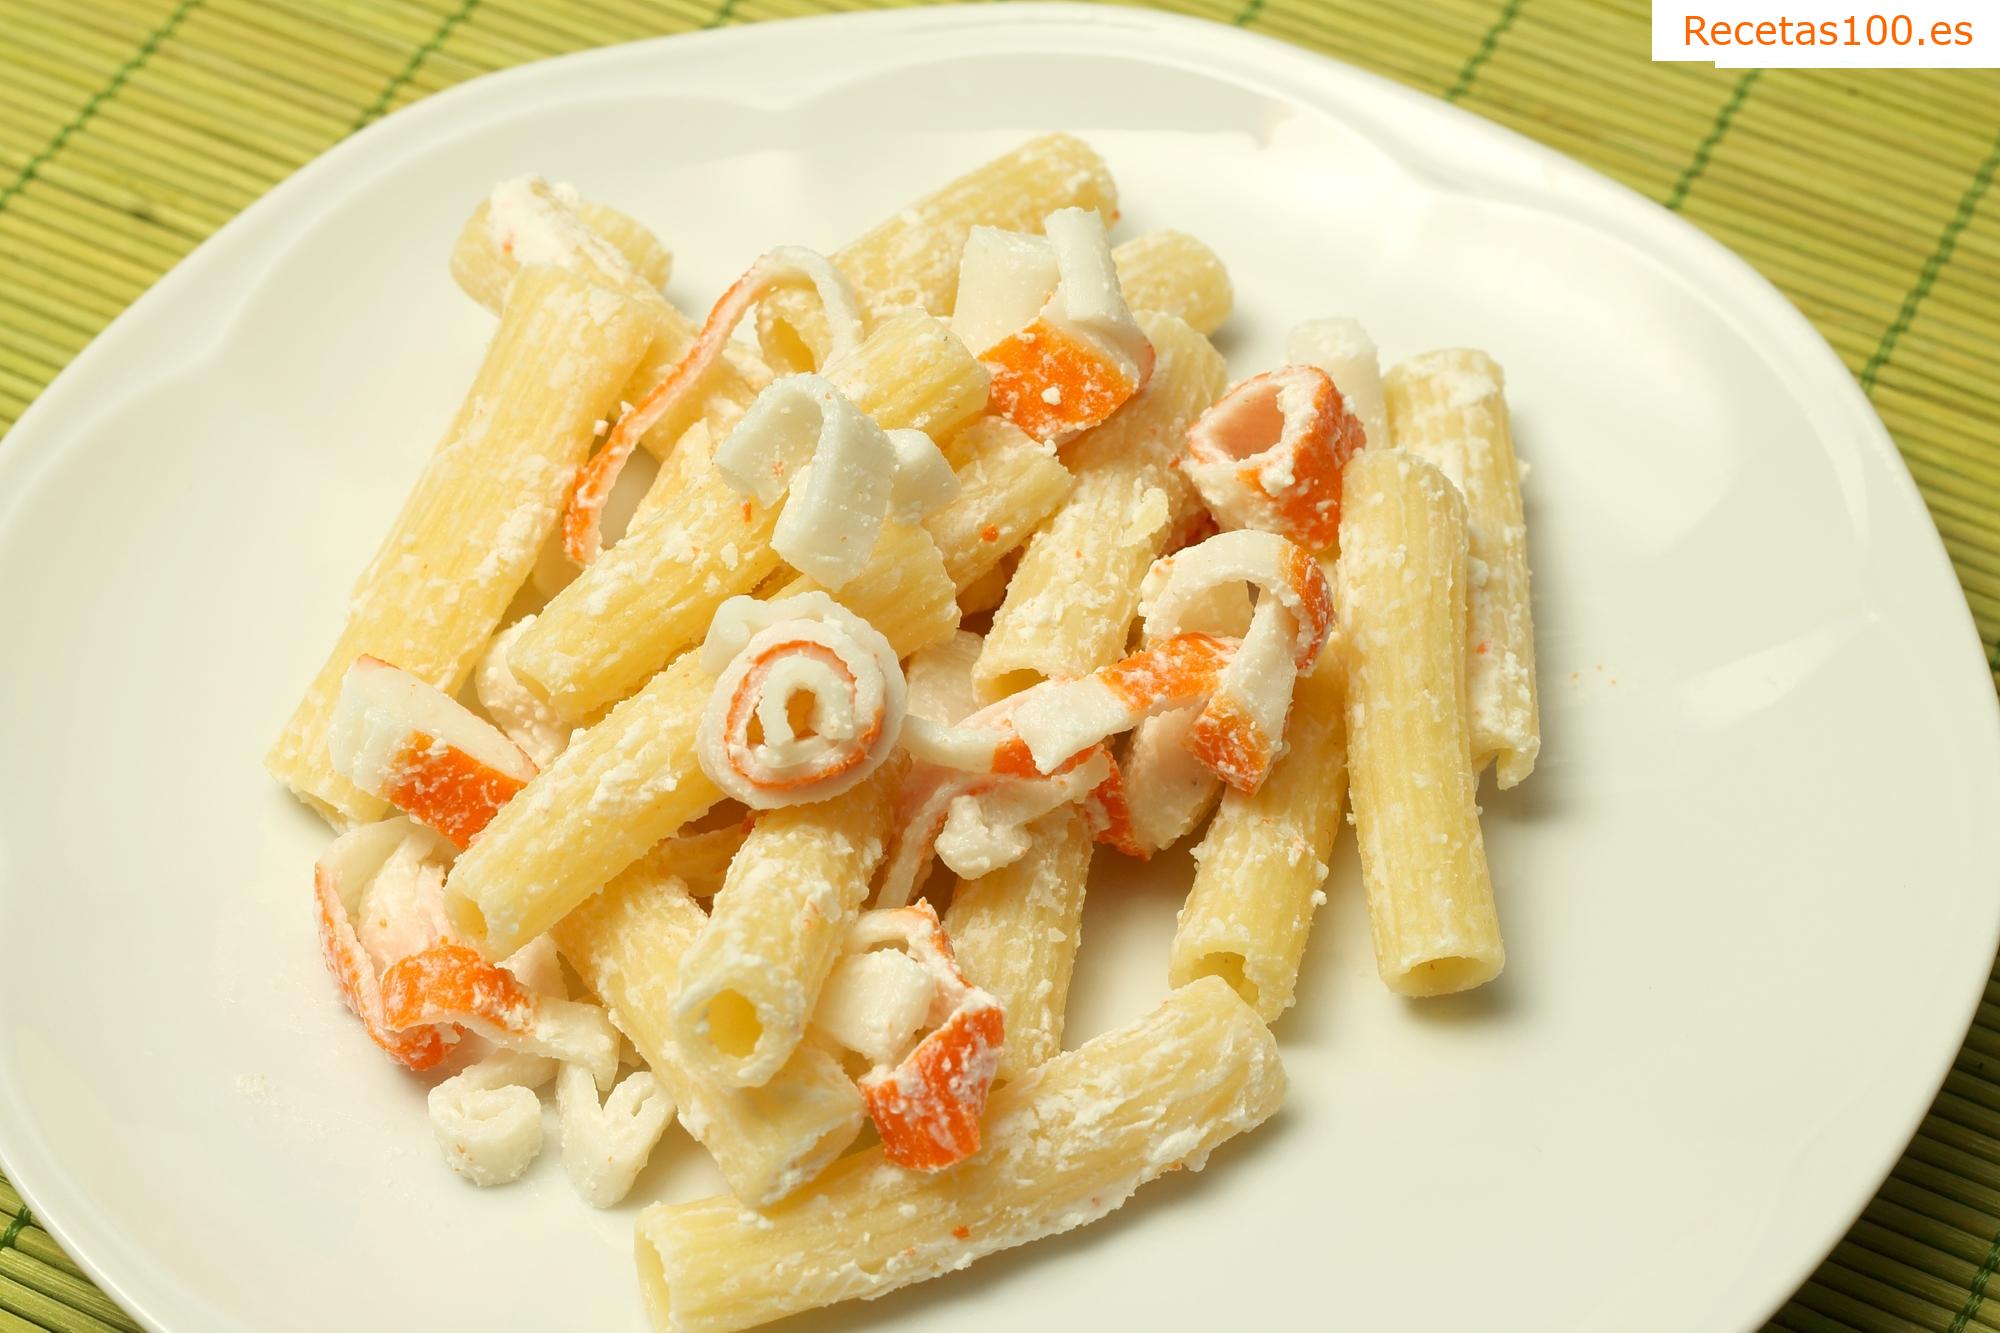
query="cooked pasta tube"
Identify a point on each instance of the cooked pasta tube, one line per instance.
(749, 982)
(1007, 484)
(635, 777)
(1016, 932)
(478, 516)
(1259, 867)
(530, 221)
(627, 944)
(1070, 606)
(700, 860)
(652, 594)
(1065, 1144)
(1172, 273)
(1450, 407)
(911, 260)
(1402, 620)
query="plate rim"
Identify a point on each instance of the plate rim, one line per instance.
(1589, 196)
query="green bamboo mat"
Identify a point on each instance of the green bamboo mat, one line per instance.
(131, 129)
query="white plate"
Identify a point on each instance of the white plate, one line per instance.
(1748, 896)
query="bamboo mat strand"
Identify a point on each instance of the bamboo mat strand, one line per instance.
(131, 129)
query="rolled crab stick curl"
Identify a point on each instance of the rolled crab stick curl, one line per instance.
(1268, 455)
(809, 701)
(926, 1096)
(788, 264)
(1240, 730)
(1047, 318)
(398, 738)
(845, 474)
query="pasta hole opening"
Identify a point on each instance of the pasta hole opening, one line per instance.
(784, 348)
(466, 918)
(1230, 968)
(733, 1025)
(1446, 975)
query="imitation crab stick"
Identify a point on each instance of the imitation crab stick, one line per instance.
(398, 738)
(1269, 453)
(1047, 318)
(450, 983)
(371, 867)
(582, 538)
(808, 701)
(926, 1105)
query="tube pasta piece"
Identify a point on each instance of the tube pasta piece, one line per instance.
(1268, 455)
(1450, 408)
(911, 261)
(840, 475)
(1172, 273)
(450, 983)
(627, 944)
(371, 903)
(395, 737)
(1065, 1144)
(1241, 727)
(1343, 349)
(927, 1106)
(1070, 606)
(1016, 931)
(700, 860)
(634, 778)
(472, 527)
(1260, 865)
(940, 680)
(581, 538)
(1008, 484)
(604, 1147)
(526, 718)
(768, 656)
(1082, 356)
(1403, 624)
(528, 220)
(749, 981)
(652, 595)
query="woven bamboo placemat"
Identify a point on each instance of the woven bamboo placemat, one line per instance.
(131, 129)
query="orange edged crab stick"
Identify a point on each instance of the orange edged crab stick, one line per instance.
(926, 1098)
(1048, 320)
(772, 659)
(1269, 453)
(1240, 730)
(414, 746)
(451, 983)
(358, 886)
(583, 515)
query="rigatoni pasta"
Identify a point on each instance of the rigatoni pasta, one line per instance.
(1450, 407)
(679, 850)
(1402, 617)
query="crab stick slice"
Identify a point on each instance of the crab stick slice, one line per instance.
(1082, 356)
(452, 983)
(396, 737)
(927, 1107)
(1269, 453)
(1060, 718)
(583, 516)
(488, 1120)
(845, 474)
(604, 1146)
(1343, 349)
(1240, 730)
(809, 701)
(354, 913)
